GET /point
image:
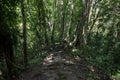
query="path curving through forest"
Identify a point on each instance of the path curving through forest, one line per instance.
(60, 65)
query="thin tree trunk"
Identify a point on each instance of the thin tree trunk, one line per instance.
(53, 27)
(53, 31)
(71, 21)
(81, 39)
(62, 22)
(24, 33)
(88, 13)
(79, 30)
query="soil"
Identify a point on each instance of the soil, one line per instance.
(61, 65)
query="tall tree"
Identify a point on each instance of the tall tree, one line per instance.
(79, 29)
(63, 4)
(8, 16)
(24, 32)
(7, 48)
(71, 20)
(54, 19)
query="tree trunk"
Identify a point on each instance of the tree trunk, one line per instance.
(62, 22)
(6, 47)
(53, 27)
(71, 21)
(79, 30)
(9, 56)
(24, 33)
(53, 31)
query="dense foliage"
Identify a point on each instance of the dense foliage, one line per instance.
(31, 27)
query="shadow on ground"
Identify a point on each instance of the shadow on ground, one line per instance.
(60, 65)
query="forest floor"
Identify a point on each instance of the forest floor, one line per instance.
(61, 65)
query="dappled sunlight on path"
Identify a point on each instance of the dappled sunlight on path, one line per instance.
(60, 65)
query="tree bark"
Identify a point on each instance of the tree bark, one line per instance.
(79, 30)
(71, 21)
(24, 33)
(9, 56)
(54, 24)
(6, 47)
(62, 22)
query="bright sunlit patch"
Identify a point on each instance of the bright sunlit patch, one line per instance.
(70, 44)
(69, 62)
(0, 73)
(92, 68)
(48, 58)
(74, 50)
(77, 58)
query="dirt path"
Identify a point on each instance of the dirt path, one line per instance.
(59, 66)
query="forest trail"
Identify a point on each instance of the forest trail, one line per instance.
(59, 65)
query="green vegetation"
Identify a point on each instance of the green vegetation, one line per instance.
(31, 29)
